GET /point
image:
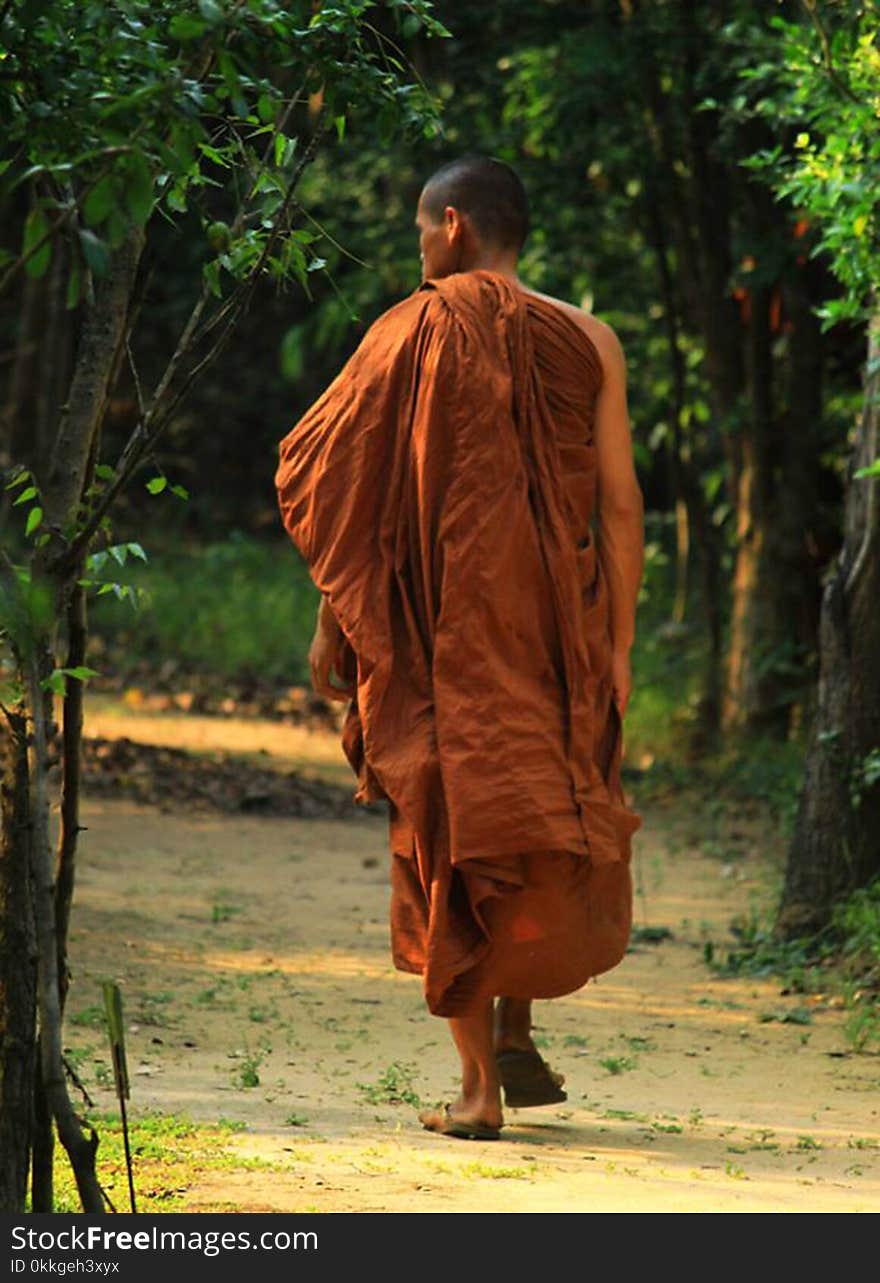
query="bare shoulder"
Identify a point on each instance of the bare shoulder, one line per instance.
(602, 335)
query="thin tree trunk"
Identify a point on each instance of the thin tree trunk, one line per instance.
(773, 623)
(54, 355)
(798, 494)
(97, 359)
(692, 515)
(70, 781)
(97, 362)
(752, 698)
(834, 847)
(80, 1148)
(18, 965)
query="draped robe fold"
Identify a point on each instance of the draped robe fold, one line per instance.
(441, 492)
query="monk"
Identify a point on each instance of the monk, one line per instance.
(465, 498)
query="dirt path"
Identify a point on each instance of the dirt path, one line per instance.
(255, 951)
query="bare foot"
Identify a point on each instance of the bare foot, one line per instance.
(465, 1119)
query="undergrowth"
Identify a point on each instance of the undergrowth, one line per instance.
(842, 961)
(169, 1153)
(229, 609)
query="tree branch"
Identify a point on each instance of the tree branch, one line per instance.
(827, 55)
(163, 403)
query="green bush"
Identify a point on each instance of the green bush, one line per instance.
(232, 609)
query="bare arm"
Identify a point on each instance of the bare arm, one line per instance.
(619, 506)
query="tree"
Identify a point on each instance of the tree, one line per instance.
(828, 85)
(118, 113)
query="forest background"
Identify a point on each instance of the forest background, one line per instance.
(703, 175)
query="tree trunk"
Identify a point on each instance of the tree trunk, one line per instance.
(68, 835)
(773, 617)
(18, 966)
(80, 1148)
(835, 848)
(757, 623)
(97, 360)
(68, 472)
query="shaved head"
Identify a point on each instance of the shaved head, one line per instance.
(489, 192)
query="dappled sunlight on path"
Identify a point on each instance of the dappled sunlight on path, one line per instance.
(253, 959)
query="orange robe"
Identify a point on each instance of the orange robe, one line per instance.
(441, 492)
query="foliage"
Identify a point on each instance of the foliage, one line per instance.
(135, 108)
(115, 109)
(857, 922)
(229, 609)
(170, 1152)
(842, 960)
(393, 1087)
(823, 81)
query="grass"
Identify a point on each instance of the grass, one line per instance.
(618, 1064)
(170, 1153)
(229, 609)
(842, 960)
(247, 1073)
(92, 1017)
(393, 1087)
(486, 1172)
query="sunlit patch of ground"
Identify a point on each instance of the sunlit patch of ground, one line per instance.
(253, 960)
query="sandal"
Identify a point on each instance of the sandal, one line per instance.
(527, 1080)
(443, 1122)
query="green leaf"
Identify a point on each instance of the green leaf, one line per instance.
(96, 253)
(56, 682)
(137, 551)
(21, 476)
(872, 470)
(213, 154)
(139, 193)
(339, 122)
(210, 11)
(186, 26)
(100, 201)
(157, 484)
(104, 471)
(177, 198)
(30, 493)
(280, 147)
(81, 672)
(36, 226)
(211, 273)
(35, 516)
(119, 553)
(180, 491)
